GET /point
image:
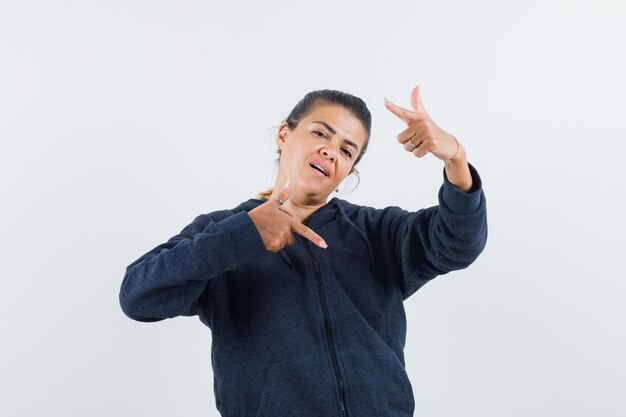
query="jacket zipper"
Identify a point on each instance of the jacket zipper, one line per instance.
(329, 334)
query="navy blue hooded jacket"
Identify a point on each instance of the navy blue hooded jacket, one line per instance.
(308, 331)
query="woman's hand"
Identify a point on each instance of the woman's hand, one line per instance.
(277, 227)
(422, 134)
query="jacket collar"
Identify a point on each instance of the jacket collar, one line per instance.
(323, 215)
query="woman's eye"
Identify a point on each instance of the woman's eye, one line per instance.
(318, 133)
(347, 153)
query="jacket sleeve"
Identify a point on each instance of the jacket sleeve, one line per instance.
(172, 279)
(436, 240)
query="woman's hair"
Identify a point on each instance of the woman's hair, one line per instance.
(312, 100)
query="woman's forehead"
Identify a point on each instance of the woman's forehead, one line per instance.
(340, 119)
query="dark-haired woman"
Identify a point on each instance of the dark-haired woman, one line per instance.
(304, 295)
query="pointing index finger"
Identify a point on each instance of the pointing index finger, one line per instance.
(308, 233)
(407, 116)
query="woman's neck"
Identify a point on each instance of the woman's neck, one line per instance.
(301, 211)
(298, 206)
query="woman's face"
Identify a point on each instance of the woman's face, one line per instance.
(320, 152)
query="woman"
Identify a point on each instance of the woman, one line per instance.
(304, 296)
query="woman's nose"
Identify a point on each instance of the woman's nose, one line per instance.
(329, 153)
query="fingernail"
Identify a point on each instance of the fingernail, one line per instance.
(322, 244)
(386, 99)
(287, 184)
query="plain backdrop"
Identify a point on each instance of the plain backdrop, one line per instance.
(121, 121)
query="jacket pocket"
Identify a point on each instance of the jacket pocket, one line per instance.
(299, 387)
(377, 384)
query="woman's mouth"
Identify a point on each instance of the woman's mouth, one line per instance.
(319, 170)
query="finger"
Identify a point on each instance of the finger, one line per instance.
(407, 116)
(283, 195)
(304, 231)
(408, 134)
(421, 151)
(413, 144)
(416, 101)
(284, 211)
(415, 134)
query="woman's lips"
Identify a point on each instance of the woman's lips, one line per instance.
(317, 172)
(321, 166)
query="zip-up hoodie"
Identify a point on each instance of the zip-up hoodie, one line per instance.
(308, 331)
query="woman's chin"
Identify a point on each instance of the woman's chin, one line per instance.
(314, 191)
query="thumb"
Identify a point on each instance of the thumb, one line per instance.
(416, 100)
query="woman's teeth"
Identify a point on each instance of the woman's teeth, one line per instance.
(319, 168)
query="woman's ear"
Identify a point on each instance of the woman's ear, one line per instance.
(283, 130)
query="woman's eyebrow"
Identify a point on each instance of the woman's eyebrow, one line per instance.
(334, 132)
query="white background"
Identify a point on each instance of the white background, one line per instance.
(121, 121)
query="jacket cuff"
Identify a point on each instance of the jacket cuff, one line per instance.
(458, 201)
(243, 239)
